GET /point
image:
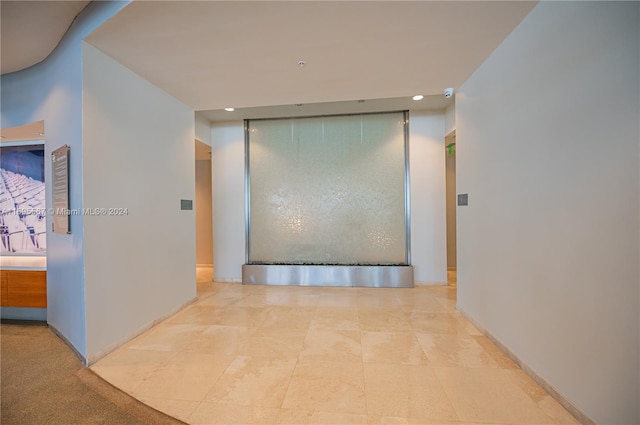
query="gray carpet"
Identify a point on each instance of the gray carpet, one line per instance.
(43, 382)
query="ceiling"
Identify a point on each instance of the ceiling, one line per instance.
(30, 30)
(216, 54)
(246, 54)
(435, 102)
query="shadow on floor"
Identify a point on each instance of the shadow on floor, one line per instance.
(43, 382)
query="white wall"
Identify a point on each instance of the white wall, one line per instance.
(52, 91)
(428, 226)
(203, 129)
(428, 208)
(450, 119)
(139, 154)
(547, 133)
(227, 169)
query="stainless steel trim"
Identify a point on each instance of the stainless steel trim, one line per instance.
(325, 116)
(407, 181)
(407, 191)
(247, 195)
(300, 275)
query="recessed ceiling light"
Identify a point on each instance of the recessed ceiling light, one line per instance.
(418, 97)
(229, 109)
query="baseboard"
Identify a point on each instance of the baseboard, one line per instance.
(23, 313)
(111, 347)
(80, 357)
(582, 417)
(429, 283)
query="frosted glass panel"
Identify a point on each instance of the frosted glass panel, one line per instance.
(328, 190)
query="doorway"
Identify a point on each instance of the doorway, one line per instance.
(450, 166)
(204, 219)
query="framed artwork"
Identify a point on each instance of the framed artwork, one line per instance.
(23, 222)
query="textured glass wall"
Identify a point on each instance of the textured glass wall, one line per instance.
(327, 190)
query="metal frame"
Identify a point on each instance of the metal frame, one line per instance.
(247, 194)
(402, 276)
(327, 115)
(301, 275)
(407, 191)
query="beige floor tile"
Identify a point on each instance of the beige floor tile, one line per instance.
(392, 347)
(436, 323)
(126, 378)
(235, 315)
(167, 337)
(125, 356)
(281, 297)
(408, 391)
(377, 298)
(498, 356)
(483, 423)
(454, 351)
(384, 320)
(445, 295)
(545, 402)
(285, 343)
(332, 345)
(127, 368)
(446, 292)
(338, 297)
(254, 381)
(448, 303)
(229, 287)
(215, 413)
(197, 314)
(241, 346)
(221, 299)
(221, 340)
(178, 409)
(489, 395)
(204, 281)
(452, 278)
(390, 420)
(469, 327)
(336, 318)
(187, 376)
(255, 289)
(416, 300)
(286, 318)
(327, 386)
(311, 417)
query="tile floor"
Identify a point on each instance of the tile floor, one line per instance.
(292, 355)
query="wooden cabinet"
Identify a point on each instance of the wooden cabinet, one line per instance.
(4, 293)
(23, 288)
